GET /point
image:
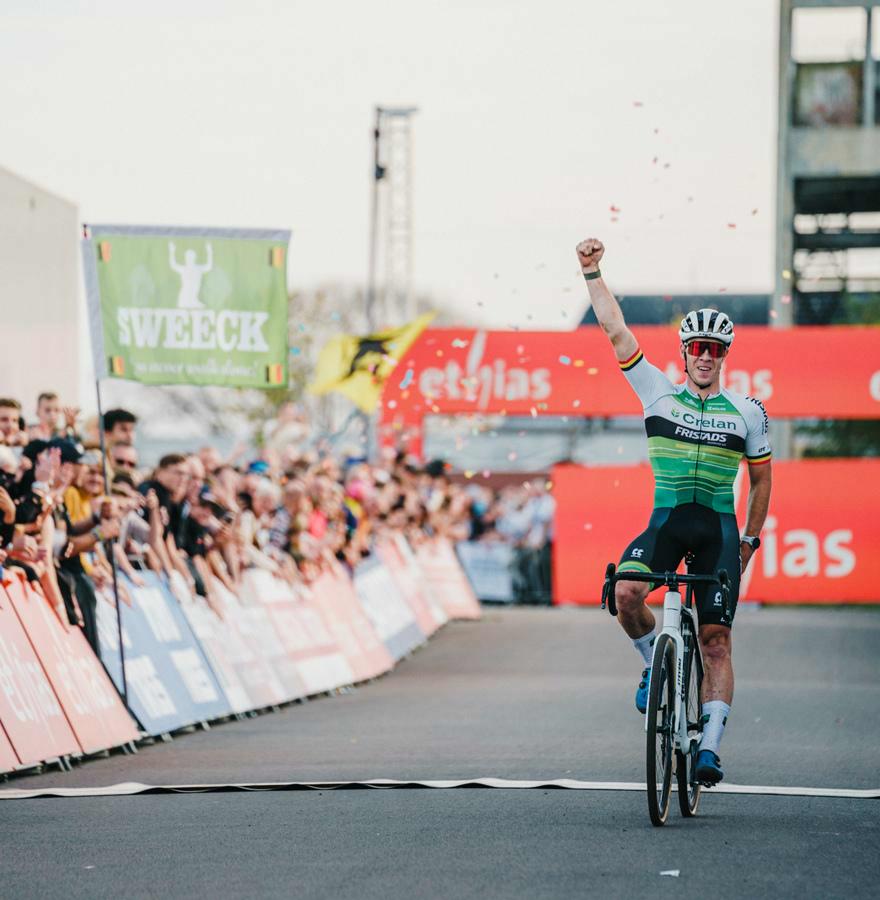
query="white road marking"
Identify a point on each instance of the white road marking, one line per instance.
(130, 788)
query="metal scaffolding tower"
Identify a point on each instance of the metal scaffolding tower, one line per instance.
(828, 177)
(390, 297)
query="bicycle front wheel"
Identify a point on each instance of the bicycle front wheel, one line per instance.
(688, 786)
(661, 729)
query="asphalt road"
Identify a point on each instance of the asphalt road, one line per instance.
(523, 694)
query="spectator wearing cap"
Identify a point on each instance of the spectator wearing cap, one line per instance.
(119, 426)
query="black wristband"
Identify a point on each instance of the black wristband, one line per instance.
(592, 276)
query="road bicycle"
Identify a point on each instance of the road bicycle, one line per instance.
(673, 719)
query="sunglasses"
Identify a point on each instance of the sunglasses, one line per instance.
(126, 463)
(697, 348)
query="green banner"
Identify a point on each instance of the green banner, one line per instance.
(188, 305)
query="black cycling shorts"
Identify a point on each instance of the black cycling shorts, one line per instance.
(711, 536)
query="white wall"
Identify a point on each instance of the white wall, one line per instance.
(40, 294)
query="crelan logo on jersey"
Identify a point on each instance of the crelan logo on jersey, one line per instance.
(710, 422)
(480, 383)
(192, 325)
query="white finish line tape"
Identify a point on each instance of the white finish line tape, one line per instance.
(131, 788)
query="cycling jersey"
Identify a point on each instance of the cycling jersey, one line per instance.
(695, 445)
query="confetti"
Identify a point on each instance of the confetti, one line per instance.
(407, 380)
(772, 313)
(439, 353)
(511, 456)
(468, 473)
(295, 351)
(486, 473)
(614, 209)
(578, 363)
(392, 404)
(588, 526)
(576, 403)
(786, 273)
(548, 485)
(731, 225)
(458, 342)
(592, 371)
(565, 360)
(785, 298)
(533, 413)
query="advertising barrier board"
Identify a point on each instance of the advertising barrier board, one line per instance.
(90, 702)
(303, 634)
(30, 712)
(488, 566)
(447, 579)
(8, 759)
(333, 593)
(818, 544)
(394, 621)
(170, 683)
(405, 571)
(211, 633)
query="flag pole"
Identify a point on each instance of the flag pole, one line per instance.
(109, 545)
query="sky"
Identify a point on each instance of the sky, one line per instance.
(651, 126)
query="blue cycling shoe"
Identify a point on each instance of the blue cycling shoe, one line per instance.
(642, 691)
(708, 768)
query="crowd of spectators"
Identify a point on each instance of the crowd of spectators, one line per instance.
(68, 508)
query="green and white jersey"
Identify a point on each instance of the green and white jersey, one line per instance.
(695, 445)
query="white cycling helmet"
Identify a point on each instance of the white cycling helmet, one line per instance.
(706, 323)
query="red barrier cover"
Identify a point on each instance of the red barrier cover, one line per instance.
(334, 595)
(447, 580)
(414, 592)
(30, 712)
(8, 759)
(819, 544)
(94, 710)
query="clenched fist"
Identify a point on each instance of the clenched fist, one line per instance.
(589, 252)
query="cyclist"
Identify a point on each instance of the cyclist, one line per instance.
(697, 434)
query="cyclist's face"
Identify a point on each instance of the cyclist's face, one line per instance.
(704, 368)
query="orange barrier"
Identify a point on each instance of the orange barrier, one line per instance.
(446, 579)
(399, 559)
(818, 545)
(30, 712)
(90, 701)
(333, 594)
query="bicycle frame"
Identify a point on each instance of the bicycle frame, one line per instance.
(673, 611)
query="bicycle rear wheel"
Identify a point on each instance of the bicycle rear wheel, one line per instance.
(688, 787)
(661, 729)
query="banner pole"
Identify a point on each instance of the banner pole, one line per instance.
(109, 545)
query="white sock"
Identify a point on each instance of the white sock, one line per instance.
(645, 646)
(713, 729)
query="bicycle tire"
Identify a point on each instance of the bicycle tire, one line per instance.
(660, 729)
(689, 790)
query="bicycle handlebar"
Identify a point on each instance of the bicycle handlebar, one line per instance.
(670, 579)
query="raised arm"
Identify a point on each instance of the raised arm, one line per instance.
(172, 262)
(607, 309)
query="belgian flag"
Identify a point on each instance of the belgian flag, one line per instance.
(275, 374)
